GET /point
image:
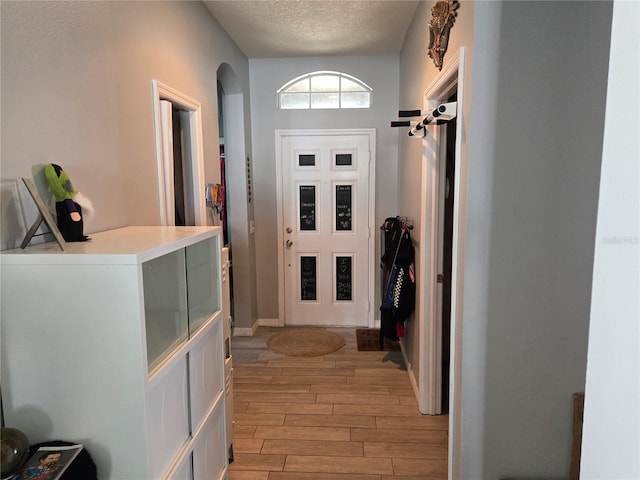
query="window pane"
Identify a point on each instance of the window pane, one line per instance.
(165, 305)
(356, 100)
(294, 100)
(325, 100)
(343, 279)
(299, 86)
(307, 160)
(343, 208)
(308, 278)
(307, 207)
(325, 83)
(324, 90)
(344, 159)
(351, 86)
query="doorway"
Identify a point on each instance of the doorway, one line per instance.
(325, 219)
(182, 194)
(447, 201)
(235, 169)
(440, 259)
(179, 157)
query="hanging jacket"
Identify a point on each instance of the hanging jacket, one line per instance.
(398, 300)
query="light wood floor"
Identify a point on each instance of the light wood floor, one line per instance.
(348, 415)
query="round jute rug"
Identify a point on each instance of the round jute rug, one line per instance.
(305, 342)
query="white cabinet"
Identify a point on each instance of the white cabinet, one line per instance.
(119, 343)
(227, 332)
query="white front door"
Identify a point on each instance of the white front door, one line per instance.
(326, 221)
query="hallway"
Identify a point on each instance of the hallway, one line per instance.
(348, 415)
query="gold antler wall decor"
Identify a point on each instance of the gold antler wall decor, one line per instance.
(443, 16)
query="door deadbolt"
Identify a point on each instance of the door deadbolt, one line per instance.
(289, 230)
(289, 243)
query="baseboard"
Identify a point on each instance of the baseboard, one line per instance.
(245, 332)
(269, 322)
(410, 371)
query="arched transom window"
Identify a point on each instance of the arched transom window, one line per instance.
(324, 90)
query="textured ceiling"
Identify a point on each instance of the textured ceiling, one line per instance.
(304, 28)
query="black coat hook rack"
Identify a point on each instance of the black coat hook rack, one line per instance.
(442, 114)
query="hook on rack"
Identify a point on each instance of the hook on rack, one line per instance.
(407, 222)
(443, 113)
(397, 221)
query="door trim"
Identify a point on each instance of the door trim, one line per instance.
(429, 374)
(193, 109)
(280, 135)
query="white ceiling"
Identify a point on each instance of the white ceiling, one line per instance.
(305, 28)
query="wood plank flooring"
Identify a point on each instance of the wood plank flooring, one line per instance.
(348, 415)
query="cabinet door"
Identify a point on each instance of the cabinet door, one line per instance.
(206, 373)
(168, 424)
(203, 281)
(165, 305)
(184, 471)
(226, 296)
(209, 452)
(228, 379)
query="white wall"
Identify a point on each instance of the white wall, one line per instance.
(267, 76)
(532, 134)
(76, 90)
(611, 435)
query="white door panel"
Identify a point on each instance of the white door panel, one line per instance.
(326, 216)
(189, 125)
(166, 126)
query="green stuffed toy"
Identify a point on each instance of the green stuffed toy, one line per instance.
(68, 201)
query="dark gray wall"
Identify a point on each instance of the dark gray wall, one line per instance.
(535, 85)
(551, 77)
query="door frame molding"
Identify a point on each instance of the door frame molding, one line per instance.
(193, 108)
(431, 330)
(433, 155)
(280, 135)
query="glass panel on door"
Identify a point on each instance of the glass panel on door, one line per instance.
(307, 208)
(344, 159)
(307, 160)
(308, 278)
(344, 278)
(343, 204)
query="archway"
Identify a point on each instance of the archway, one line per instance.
(239, 207)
